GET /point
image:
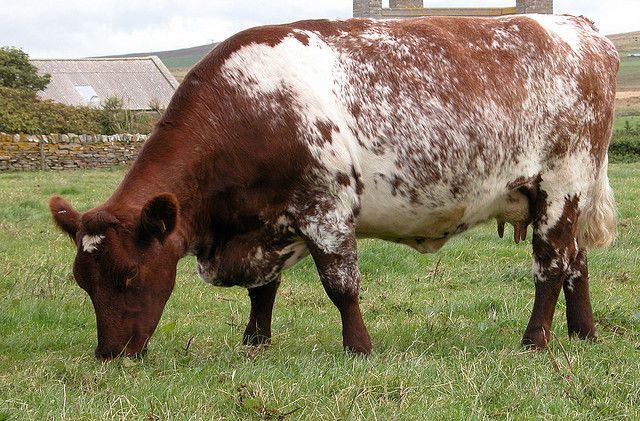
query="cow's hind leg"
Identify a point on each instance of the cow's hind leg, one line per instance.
(258, 331)
(576, 291)
(555, 257)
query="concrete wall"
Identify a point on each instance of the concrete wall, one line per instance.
(60, 152)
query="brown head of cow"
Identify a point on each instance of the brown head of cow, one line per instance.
(126, 265)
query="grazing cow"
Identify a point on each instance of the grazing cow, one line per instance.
(295, 139)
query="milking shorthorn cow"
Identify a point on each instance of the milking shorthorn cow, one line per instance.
(296, 139)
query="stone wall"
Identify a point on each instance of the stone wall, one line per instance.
(367, 9)
(406, 4)
(67, 151)
(415, 8)
(534, 6)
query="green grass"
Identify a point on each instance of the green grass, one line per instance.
(620, 122)
(629, 73)
(446, 330)
(625, 142)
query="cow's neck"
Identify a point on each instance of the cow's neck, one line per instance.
(164, 166)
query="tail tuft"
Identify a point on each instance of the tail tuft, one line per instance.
(598, 221)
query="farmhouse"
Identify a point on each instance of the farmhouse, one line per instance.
(414, 8)
(138, 81)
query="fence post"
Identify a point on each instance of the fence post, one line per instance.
(42, 162)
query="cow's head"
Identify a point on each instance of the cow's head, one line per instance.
(127, 265)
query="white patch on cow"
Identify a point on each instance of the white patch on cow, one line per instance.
(502, 39)
(562, 27)
(565, 181)
(283, 222)
(312, 74)
(538, 272)
(299, 250)
(90, 243)
(329, 228)
(208, 272)
(259, 254)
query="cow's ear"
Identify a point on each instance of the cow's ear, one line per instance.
(159, 217)
(64, 216)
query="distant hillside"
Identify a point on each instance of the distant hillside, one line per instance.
(629, 74)
(178, 59)
(629, 42)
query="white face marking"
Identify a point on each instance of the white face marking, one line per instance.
(90, 243)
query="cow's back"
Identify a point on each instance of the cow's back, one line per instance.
(433, 118)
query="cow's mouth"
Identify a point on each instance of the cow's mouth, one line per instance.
(111, 354)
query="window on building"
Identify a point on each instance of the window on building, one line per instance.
(88, 94)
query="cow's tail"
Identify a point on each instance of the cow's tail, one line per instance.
(597, 226)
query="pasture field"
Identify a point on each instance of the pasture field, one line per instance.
(446, 330)
(629, 74)
(621, 122)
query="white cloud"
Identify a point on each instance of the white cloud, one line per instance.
(611, 17)
(77, 28)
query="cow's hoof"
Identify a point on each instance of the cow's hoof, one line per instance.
(253, 339)
(359, 347)
(358, 351)
(587, 334)
(535, 339)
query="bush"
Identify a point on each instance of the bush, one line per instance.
(23, 112)
(116, 119)
(625, 144)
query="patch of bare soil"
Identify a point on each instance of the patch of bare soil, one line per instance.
(628, 102)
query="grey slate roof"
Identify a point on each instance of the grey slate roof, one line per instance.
(91, 81)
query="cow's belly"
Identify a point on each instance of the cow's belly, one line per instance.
(427, 224)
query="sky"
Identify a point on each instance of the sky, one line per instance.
(81, 28)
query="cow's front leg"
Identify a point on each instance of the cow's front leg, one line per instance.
(576, 292)
(341, 280)
(555, 252)
(333, 247)
(258, 331)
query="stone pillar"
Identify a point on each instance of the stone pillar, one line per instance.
(367, 9)
(406, 4)
(534, 6)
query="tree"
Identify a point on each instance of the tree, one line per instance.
(17, 72)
